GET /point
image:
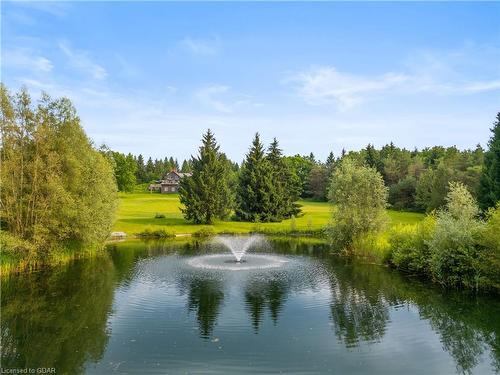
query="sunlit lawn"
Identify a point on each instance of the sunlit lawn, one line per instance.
(137, 212)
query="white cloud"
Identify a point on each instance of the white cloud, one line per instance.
(325, 85)
(26, 59)
(207, 96)
(82, 61)
(205, 47)
(221, 98)
(171, 90)
(54, 8)
(454, 73)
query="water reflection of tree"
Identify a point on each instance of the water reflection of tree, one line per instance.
(205, 298)
(466, 324)
(363, 295)
(57, 318)
(262, 293)
(359, 312)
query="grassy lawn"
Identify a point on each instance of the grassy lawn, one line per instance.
(137, 212)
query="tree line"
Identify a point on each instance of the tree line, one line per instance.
(456, 245)
(417, 180)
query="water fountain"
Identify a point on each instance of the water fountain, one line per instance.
(239, 260)
(239, 245)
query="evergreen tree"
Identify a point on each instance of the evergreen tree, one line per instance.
(284, 194)
(489, 187)
(372, 158)
(150, 170)
(256, 186)
(330, 160)
(186, 166)
(171, 162)
(206, 195)
(167, 165)
(140, 173)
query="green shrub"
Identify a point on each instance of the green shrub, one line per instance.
(408, 243)
(360, 199)
(158, 233)
(490, 239)
(204, 232)
(159, 216)
(454, 247)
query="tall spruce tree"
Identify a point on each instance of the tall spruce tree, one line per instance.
(256, 188)
(284, 195)
(141, 169)
(186, 166)
(489, 187)
(206, 194)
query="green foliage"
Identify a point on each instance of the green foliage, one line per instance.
(318, 182)
(283, 194)
(207, 194)
(454, 248)
(300, 167)
(257, 189)
(432, 188)
(454, 251)
(489, 189)
(204, 232)
(125, 169)
(360, 198)
(156, 233)
(409, 248)
(402, 194)
(186, 167)
(55, 187)
(490, 259)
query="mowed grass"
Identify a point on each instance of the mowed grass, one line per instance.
(136, 213)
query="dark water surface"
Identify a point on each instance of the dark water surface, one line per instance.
(142, 308)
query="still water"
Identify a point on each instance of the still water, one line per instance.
(143, 308)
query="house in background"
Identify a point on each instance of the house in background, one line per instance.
(170, 182)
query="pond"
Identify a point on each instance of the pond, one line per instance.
(157, 308)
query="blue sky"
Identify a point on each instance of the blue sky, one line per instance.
(151, 77)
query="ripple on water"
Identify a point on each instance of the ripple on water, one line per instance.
(226, 262)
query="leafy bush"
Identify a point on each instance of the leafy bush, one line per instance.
(360, 199)
(14, 246)
(454, 247)
(490, 259)
(204, 232)
(409, 248)
(158, 233)
(159, 216)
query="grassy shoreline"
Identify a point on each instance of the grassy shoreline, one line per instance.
(137, 211)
